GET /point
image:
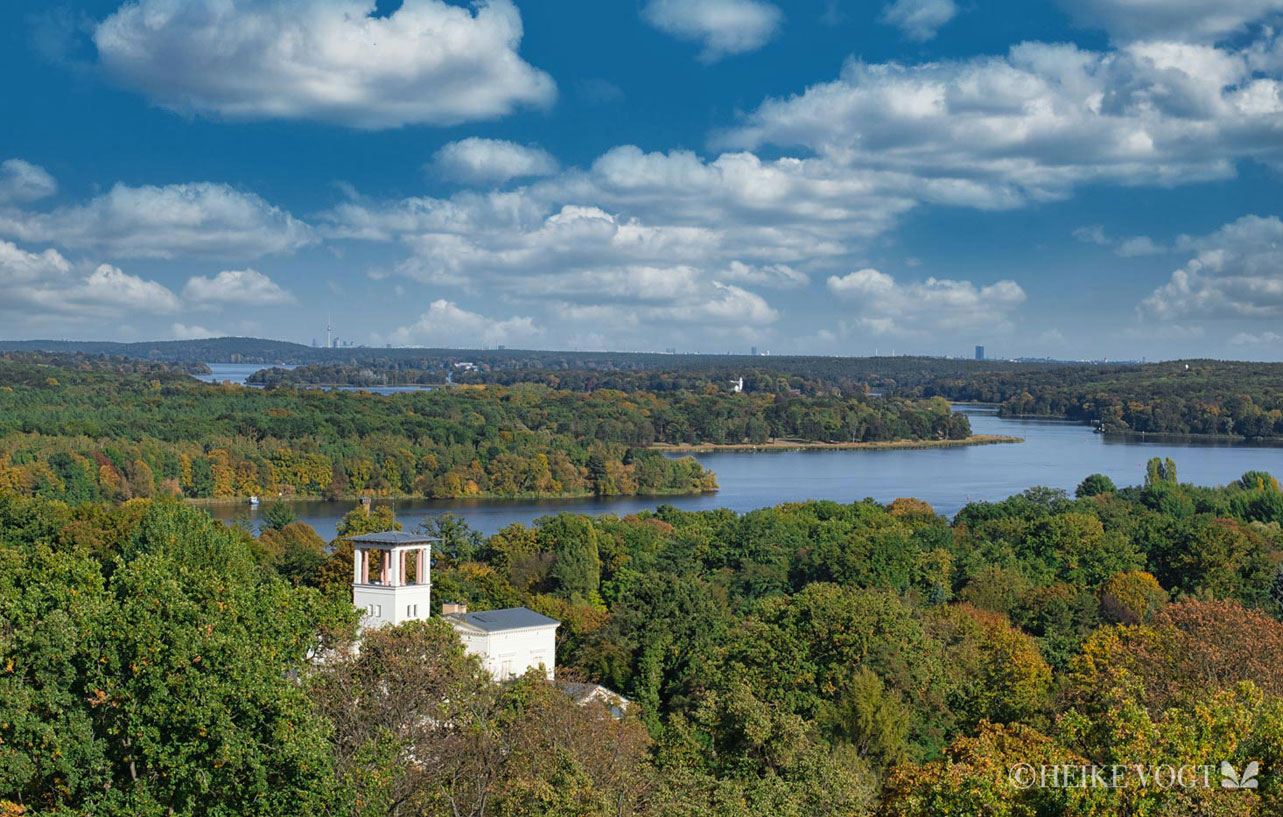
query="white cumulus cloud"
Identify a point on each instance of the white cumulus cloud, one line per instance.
(919, 19)
(245, 287)
(201, 218)
(724, 304)
(1236, 271)
(446, 324)
(21, 181)
(111, 285)
(429, 62)
(491, 160)
(45, 284)
(17, 266)
(583, 261)
(1184, 20)
(511, 244)
(1035, 123)
(723, 27)
(884, 306)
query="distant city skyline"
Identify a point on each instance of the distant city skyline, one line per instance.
(1068, 179)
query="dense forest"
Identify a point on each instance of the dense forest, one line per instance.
(1181, 397)
(99, 431)
(808, 659)
(1201, 397)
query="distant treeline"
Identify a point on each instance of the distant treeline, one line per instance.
(723, 378)
(1203, 397)
(98, 433)
(1182, 397)
(85, 362)
(881, 373)
(624, 371)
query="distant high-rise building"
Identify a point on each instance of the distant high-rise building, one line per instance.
(980, 353)
(752, 350)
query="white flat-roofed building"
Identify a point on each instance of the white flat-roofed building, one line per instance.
(508, 641)
(391, 577)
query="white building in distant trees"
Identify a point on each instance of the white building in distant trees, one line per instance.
(392, 584)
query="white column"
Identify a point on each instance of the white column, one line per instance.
(393, 557)
(420, 561)
(356, 566)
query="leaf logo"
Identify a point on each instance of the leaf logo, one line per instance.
(1231, 780)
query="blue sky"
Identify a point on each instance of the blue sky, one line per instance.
(1078, 179)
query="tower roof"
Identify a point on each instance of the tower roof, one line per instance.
(388, 539)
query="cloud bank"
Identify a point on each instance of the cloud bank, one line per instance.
(722, 27)
(427, 63)
(197, 219)
(1237, 272)
(475, 160)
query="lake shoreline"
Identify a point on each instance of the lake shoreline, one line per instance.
(1057, 454)
(792, 445)
(268, 499)
(776, 446)
(1130, 435)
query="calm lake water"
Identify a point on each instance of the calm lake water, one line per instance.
(240, 372)
(1055, 453)
(233, 372)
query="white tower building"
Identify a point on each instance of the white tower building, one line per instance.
(392, 584)
(391, 578)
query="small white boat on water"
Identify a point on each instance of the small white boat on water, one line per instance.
(253, 500)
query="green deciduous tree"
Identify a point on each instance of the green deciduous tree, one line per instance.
(1095, 485)
(166, 679)
(576, 568)
(871, 719)
(357, 521)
